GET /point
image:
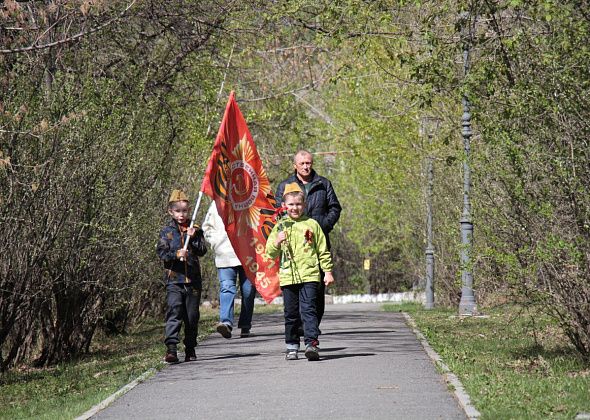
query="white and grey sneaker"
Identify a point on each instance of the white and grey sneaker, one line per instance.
(312, 353)
(224, 330)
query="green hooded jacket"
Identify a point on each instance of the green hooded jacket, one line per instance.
(303, 252)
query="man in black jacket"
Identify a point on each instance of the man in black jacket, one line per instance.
(321, 204)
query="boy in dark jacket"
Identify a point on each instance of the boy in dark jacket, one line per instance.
(182, 276)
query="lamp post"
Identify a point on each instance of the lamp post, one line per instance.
(428, 126)
(467, 304)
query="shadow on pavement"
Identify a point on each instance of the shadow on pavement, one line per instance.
(231, 356)
(326, 357)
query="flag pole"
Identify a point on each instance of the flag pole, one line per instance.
(197, 205)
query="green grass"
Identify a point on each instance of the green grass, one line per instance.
(509, 369)
(69, 389)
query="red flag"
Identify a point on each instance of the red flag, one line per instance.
(237, 182)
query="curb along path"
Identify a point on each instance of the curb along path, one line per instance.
(372, 366)
(460, 393)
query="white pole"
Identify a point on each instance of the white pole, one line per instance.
(185, 247)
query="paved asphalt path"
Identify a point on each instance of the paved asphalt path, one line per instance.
(372, 367)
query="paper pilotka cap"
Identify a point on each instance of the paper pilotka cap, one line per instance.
(177, 195)
(292, 187)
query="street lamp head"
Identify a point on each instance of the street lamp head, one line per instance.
(429, 125)
(463, 23)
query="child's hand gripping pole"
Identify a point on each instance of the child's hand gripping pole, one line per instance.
(188, 238)
(286, 251)
(278, 217)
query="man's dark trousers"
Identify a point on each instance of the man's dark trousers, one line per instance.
(321, 300)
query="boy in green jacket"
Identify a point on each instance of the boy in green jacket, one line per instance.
(301, 245)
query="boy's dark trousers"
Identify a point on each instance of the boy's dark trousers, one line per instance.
(301, 299)
(321, 298)
(183, 306)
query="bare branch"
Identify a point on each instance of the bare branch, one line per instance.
(69, 39)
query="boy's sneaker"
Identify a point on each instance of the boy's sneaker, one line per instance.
(224, 330)
(171, 354)
(312, 353)
(190, 355)
(291, 355)
(245, 333)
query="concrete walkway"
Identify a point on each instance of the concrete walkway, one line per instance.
(372, 367)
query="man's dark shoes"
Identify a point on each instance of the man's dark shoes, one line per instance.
(312, 353)
(190, 355)
(245, 333)
(171, 354)
(224, 330)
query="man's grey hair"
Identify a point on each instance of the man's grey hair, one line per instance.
(302, 153)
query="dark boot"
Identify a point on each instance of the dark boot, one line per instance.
(171, 354)
(190, 355)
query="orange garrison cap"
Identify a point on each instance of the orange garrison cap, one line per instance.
(292, 187)
(177, 195)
